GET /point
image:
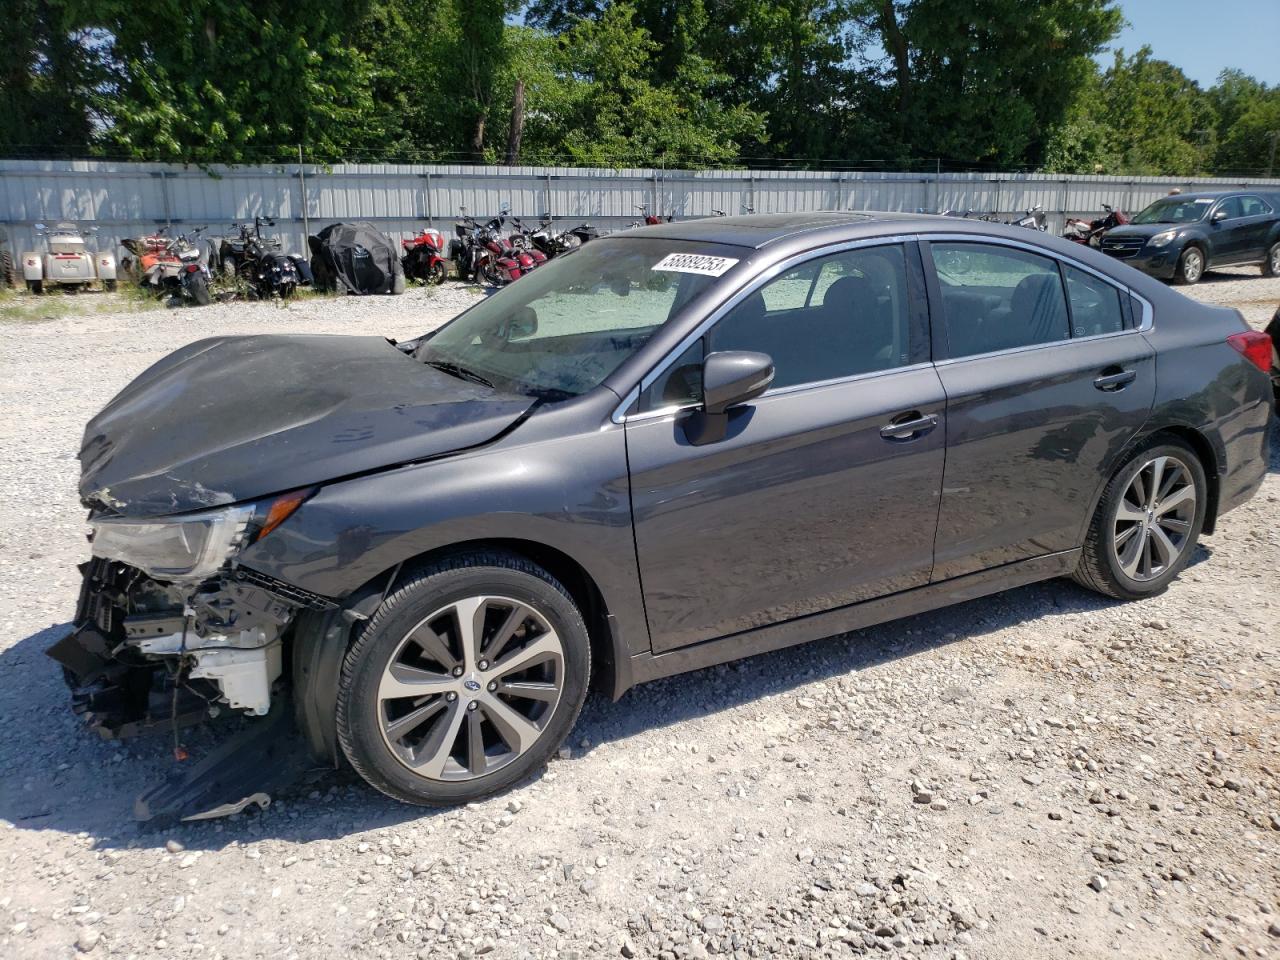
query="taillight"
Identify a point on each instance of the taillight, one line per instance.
(1255, 346)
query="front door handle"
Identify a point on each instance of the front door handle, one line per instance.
(909, 426)
(1114, 378)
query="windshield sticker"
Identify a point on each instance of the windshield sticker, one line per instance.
(694, 263)
(1203, 200)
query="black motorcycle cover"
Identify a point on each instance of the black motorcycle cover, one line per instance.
(355, 258)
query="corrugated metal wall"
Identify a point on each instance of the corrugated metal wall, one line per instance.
(125, 199)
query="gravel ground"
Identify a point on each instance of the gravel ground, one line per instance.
(1043, 773)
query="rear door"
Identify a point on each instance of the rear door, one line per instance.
(1047, 380)
(824, 492)
(1256, 219)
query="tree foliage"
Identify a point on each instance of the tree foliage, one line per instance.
(619, 82)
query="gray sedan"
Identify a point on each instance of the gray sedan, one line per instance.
(671, 448)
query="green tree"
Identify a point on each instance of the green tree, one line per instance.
(985, 80)
(52, 67)
(229, 81)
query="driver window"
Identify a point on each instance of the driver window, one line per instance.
(831, 317)
(1230, 208)
(853, 318)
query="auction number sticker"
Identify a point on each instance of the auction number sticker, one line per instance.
(694, 263)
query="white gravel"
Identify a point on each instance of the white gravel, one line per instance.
(1038, 774)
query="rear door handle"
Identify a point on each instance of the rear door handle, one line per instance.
(908, 426)
(1113, 379)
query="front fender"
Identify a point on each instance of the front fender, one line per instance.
(32, 266)
(105, 263)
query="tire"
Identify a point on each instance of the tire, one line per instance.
(35, 286)
(435, 273)
(1191, 267)
(489, 275)
(198, 287)
(6, 269)
(1113, 539)
(382, 736)
(109, 286)
(1271, 265)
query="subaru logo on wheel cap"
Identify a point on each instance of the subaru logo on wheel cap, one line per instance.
(472, 685)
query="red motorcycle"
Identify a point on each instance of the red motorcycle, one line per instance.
(1089, 232)
(650, 219)
(424, 256)
(482, 253)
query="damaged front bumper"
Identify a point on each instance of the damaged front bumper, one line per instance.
(147, 655)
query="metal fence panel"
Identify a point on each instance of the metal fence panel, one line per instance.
(125, 199)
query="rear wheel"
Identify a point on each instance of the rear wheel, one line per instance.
(1190, 266)
(1271, 265)
(1147, 523)
(466, 680)
(198, 287)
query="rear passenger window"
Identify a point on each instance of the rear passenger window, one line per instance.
(1095, 304)
(998, 298)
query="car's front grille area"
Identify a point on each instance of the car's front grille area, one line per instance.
(1122, 248)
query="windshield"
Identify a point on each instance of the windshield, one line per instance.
(1175, 210)
(560, 330)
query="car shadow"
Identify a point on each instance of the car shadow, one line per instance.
(54, 775)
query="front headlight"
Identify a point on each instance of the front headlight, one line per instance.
(1161, 239)
(194, 545)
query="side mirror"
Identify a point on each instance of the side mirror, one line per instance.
(730, 378)
(1218, 216)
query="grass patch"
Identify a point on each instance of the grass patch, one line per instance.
(19, 306)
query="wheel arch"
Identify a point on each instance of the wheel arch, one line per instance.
(320, 640)
(1150, 436)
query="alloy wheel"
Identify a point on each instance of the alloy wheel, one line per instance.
(1193, 265)
(1275, 260)
(1154, 518)
(470, 688)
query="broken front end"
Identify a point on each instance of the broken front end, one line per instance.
(171, 631)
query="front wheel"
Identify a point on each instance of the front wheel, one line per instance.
(466, 680)
(435, 273)
(1147, 523)
(1271, 265)
(1190, 266)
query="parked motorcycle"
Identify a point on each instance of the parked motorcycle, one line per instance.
(1089, 232)
(424, 256)
(651, 219)
(259, 262)
(527, 251)
(1033, 219)
(554, 242)
(174, 266)
(482, 253)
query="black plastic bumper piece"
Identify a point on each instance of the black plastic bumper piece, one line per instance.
(250, 768)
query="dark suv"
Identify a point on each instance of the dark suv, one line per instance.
(1180, 237)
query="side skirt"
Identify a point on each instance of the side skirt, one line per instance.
(648, 666)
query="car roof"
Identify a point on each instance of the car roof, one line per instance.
(1219, 194)
(758, 230)
(785, 233)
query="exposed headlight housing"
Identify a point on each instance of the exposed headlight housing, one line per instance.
(1162, 239)
(191, 546)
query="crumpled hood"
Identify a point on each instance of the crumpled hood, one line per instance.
(235, 418)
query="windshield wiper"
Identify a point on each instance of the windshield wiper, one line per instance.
(461, 372)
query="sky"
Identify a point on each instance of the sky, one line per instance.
(1204, 38)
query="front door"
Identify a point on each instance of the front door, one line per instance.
(1047, 381)
(825, 490)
